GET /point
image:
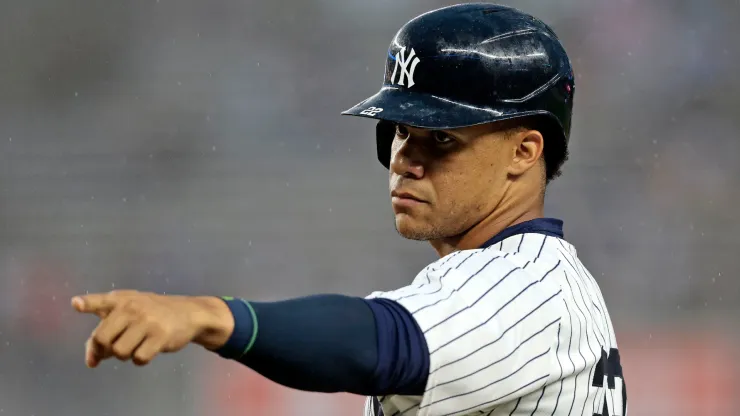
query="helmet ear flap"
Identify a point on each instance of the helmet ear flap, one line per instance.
(384, 133)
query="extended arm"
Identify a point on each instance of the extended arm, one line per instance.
(330, 343)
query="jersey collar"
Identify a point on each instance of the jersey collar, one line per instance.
(546, 226)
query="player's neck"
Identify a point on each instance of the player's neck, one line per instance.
(509, 213)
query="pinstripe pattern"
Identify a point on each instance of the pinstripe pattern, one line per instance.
(516, 328)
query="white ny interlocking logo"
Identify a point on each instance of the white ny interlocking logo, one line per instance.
(403, 63)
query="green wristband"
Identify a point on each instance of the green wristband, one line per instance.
(255, 325)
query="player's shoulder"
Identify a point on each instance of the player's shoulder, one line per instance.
(525, 262)
(534, 255)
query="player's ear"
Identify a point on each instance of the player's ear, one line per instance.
(527, 147)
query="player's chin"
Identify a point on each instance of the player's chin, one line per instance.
(413, 228)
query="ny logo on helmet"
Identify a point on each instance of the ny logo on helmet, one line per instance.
(403, 62)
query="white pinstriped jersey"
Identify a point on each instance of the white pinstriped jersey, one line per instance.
(517, 328)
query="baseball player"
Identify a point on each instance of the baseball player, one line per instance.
(473, 119)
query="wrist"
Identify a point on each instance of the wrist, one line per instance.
(214, 321)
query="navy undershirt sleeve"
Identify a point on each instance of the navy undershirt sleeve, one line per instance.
(403, 356)
(332, 343)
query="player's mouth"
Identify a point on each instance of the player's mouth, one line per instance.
(405, 199)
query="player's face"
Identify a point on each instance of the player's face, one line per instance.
(443, 183)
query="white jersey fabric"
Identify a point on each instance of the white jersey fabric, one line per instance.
(516, 328)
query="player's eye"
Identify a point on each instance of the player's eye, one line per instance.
(441, 137)
(401, 131)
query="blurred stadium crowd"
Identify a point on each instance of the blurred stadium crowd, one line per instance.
(196, 147)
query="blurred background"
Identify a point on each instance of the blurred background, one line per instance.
(196, 147)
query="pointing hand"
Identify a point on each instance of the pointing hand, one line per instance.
(139, 325)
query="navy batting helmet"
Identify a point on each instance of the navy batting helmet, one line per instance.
(472, 64)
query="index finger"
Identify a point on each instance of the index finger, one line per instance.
(97, 303)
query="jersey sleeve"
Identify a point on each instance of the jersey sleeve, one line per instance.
(491, 329)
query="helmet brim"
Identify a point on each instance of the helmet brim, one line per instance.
(427, 111)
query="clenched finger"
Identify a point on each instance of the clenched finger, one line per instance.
(110, 328)
(131, 338)
(148, 349)
(94, 353)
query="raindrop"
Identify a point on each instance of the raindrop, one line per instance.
(655, 141)
(113, 285)
(318, 146)
(76, 94)
(213, 148)
(179, 83)
(250, 243)
(124, 199)
(329, 209)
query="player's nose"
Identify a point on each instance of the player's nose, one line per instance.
(407, 158)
